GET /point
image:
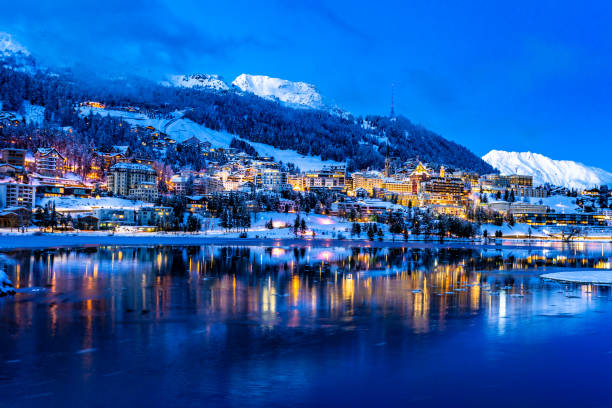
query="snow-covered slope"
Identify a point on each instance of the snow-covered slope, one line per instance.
(206, 81)
(296, 94)
(181, 129)
(546, 170)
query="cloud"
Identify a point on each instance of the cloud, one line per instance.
(336, 20)
(136, 35)
(322, 11)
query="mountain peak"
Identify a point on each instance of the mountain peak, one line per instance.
(295, 94)
(207, 81)
(8, 45)
(544, 170)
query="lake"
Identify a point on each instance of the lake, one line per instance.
(304, 325)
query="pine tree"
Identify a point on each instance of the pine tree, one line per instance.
(296, 224)
(371, 232)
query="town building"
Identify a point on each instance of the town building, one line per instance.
(518, 208)
(444, 186)
(17, 173)
(17, 195)
(49, 162)
(109, 218)
(15, 217)
(133, 179)
(144, 191)
(329, 177)
(153, 215)
(419, 175)
(14, 157)
(368, 181)
(196, 203)
(271, 179)
(368, 207)
(60, 187)
(207, 185)
(178, 184)
(556, 219)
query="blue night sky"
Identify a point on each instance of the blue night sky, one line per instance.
(518, 75)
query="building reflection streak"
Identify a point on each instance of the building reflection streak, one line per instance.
(425, 288)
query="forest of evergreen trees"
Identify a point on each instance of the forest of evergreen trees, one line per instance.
(252, 118)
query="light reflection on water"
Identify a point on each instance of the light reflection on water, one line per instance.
(248, 325)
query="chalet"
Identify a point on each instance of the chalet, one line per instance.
(124, 150)
(49, 162)
(196, 203)
(94, 104)
(15, 217)
(16, 172)
(107, 159)
(87, 222)
(191, 142)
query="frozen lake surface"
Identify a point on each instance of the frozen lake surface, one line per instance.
(304, 325)
(587, 276)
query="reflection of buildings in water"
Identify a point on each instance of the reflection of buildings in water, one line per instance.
(294, 286)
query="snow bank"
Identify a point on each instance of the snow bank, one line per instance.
(589, 276)
(6, 287)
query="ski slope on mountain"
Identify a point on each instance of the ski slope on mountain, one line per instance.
(544, 170)
(181, 129)
(31, 113)
(296, 94)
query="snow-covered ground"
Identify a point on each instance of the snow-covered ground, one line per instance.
(322, 226)
(559, 203)
(546, 170)
(75, 204)
(543, 232)
(599, 276)
(181, 129)
(6, 287)
(31, 113)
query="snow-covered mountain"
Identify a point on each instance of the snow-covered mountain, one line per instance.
(546, 170)
(206, 81)
(295, 94)
(15, 56)
(9, 46)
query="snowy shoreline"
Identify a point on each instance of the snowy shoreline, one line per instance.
(59, 240)
(6, 287)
